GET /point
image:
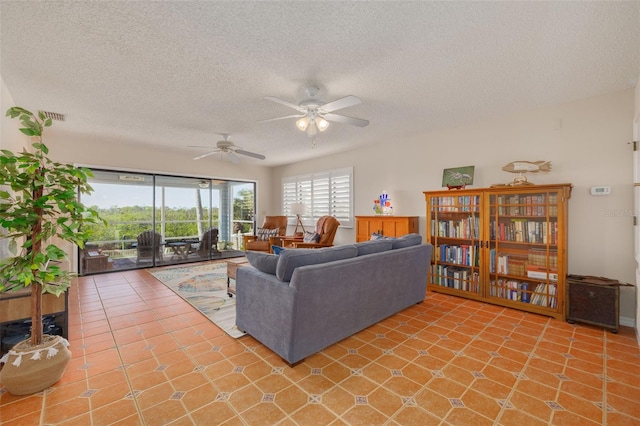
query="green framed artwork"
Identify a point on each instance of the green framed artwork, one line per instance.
(458, 177)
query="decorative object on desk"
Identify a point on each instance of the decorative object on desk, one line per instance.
(458, 177)
(522, 167)
(298, 209)
(204, 286)
(383, 205)
(39, 204)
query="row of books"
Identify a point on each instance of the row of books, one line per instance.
(467, 227)
(462, 203)
(520, 265)
(527, 205)
(467, 255)
(456, 278)
(512, 290)
(508, 264)
(525, 231)
(543, 257)
(542, 295)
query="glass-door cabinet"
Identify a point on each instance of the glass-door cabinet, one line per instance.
(505, 245)
(454, 230)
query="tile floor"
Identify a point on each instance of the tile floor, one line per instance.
(143, 356)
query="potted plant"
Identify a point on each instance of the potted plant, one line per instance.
(38, 206)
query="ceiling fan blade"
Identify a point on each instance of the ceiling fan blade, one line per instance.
(281, 118)
(232, 157)
(345, 102)
(199, 146)
(285, 103)
(346, 120)
(250, 154)
(206, 155)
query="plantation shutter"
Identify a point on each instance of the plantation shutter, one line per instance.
(323, 193)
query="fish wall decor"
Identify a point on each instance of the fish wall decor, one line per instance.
(527, 166)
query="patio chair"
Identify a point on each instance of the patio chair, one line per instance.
(207, 245)
(149, 247)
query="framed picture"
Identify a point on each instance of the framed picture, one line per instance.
(458, 177)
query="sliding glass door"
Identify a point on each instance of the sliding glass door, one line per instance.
(155, 220)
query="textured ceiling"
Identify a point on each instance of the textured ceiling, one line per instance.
(173, 74)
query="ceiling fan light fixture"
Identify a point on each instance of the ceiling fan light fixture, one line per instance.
(322, 124)
(303, 123)
(312, 130)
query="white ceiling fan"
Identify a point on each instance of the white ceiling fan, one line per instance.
(314, 115)
(227, 150)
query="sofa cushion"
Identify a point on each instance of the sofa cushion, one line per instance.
(289, 260)
(263, 261)
(276, 249)
(373, 246)
(406, 241)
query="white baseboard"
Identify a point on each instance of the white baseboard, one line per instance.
(627, 322)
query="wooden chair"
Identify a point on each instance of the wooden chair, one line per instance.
(326, 228)
(149, 247)
(207, 245)
(254, 243)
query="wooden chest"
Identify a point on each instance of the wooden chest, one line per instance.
(594, 300)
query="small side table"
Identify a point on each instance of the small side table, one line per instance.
(232, 268)
(280, 241)
(94, 261)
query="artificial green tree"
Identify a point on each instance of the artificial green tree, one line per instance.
(39, 206)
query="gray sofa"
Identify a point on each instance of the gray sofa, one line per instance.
(302, 301)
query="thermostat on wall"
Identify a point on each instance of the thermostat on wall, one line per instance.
(600, 190)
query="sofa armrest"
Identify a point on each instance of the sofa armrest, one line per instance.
(265, 308)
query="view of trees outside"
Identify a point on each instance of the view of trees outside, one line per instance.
(243, 209)
(191, 206)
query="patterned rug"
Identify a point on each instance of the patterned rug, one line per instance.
(204, 286)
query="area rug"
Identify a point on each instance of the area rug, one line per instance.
(204, 286)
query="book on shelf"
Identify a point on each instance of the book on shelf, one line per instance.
(545, 295)
(542, 273)
(455, 277)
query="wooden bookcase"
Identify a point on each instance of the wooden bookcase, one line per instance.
(389, 226)
(504, 245)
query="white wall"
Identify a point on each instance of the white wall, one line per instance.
(10, 137)
(586, 141)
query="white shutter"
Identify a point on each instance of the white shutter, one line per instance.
(321, 196)
(289, 192)
(324, 193)
(341, 197)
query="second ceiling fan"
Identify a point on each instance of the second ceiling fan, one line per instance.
(314, 115)
(228, 150)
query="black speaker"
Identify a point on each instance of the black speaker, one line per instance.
(593, 300)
